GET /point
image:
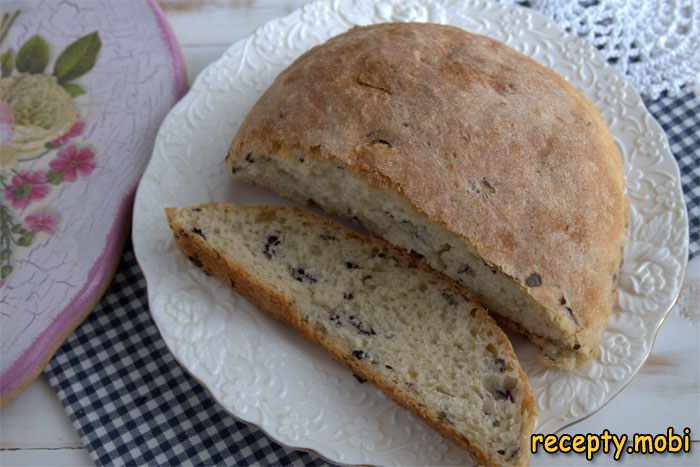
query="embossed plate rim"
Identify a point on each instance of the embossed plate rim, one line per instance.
(146, 254)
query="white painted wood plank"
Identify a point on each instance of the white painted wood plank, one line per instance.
(46, 458)
(35, 432)
(216, 23)
(36, 420)
(198, 57)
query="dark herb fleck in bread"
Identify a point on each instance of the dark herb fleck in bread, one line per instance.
(493, 167)
(394, 322)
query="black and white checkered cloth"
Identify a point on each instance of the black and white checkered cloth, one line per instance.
(133, 405)
(680, 119)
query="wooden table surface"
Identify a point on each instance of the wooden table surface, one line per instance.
(34, 430)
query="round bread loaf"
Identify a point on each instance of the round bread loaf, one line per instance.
(494, 168)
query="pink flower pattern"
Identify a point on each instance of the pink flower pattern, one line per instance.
(28, 178)
(73, 161)
(42, 220)
(75, 130)
(26, 187)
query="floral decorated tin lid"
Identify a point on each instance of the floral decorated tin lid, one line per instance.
(84, 87)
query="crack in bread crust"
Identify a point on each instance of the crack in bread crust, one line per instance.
(483, 142)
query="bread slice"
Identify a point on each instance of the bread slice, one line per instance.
(494, 168)
(379, 311)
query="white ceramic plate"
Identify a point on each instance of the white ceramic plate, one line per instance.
(264, 373)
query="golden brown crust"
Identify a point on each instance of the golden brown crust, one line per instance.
(275, 304)
(477, 138)
(563, 358)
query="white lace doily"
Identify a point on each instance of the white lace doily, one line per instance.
(655, 43)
